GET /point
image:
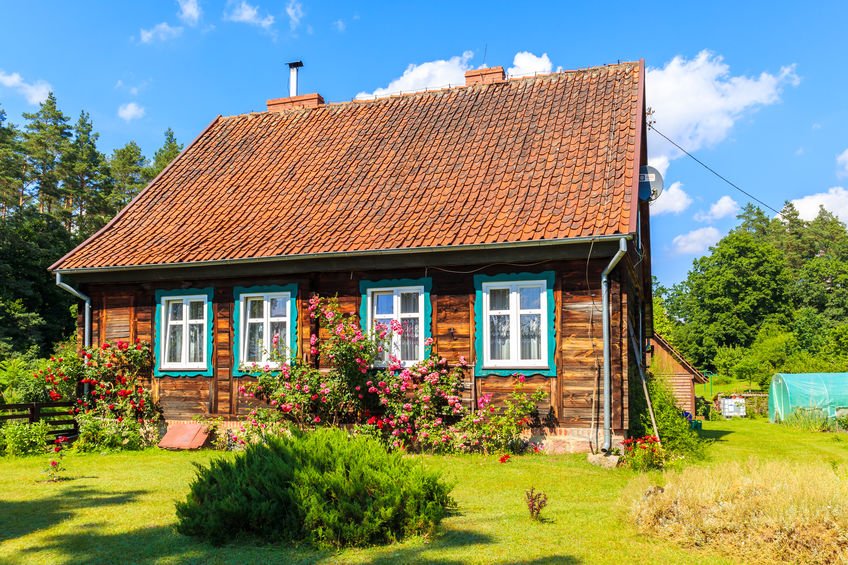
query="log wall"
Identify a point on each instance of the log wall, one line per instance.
(575, 394)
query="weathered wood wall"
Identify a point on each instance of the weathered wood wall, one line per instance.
(575, 394)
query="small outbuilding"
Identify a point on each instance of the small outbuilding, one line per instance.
(669, 364)
(825, 392)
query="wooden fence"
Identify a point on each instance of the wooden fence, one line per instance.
(58, 415)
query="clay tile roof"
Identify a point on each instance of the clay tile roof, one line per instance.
(547, 157)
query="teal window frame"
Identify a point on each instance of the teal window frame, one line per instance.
(238, 292)
(160, 296)
(549, 278)
(425, 282)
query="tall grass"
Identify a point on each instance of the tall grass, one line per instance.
(810, 420)
(758, 512)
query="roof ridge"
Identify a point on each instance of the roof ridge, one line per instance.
(441, 89)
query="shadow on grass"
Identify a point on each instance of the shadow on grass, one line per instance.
(713, 435)
(158, 543)
(20, 518)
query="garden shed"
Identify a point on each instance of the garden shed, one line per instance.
(681, 376)
(825, 392)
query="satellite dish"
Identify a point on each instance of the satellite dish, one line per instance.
(650, 183)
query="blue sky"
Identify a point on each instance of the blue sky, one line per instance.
(757, 90)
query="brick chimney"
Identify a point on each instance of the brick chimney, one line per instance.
(295, 102)
(484, 76)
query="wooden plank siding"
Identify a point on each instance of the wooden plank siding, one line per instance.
(575, 394)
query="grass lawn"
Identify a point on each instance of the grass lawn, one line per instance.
(120, 508)
(725, 388)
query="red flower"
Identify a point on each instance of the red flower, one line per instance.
(57, 448)
(54, 396)
(504, 458)
(54, 463)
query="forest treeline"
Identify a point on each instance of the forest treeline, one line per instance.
(771, 296)
(56, 189)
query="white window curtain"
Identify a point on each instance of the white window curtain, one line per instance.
(264, 326)
(515, 323)
(185, 332)
(406, 306)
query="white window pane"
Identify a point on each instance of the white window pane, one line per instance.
(531, 337)
(175, 310)
(499, 337)
(499, 299)
(409, 339)
(279, 306)
(530, 298)
(195, 343)
(409, 303)
(255, 308)
(195, 310)
(383, 303)
(278, 329)
(254, 342)
(174, 345)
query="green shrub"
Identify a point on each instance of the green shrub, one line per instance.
(676, 436)
(24, 438)
(324, 487)
(97, 433)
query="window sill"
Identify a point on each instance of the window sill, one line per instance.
(184, 368)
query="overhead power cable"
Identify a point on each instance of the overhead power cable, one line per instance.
(713, 171)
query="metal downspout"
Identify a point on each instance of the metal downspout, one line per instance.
(87, 323)
(87, 313)
(605, 292)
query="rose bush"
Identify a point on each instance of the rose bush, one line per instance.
(415, 408)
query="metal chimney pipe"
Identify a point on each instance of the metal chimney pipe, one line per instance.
(293, 67)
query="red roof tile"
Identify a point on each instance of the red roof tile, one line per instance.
(529, 159)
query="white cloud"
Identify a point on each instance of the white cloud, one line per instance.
(721, 208)
(696, 241)
(842, 164)
(294, 10)
(339, 25)
(835, 200)
(697, 101)
(526, 63)
(160, 32)
(247, 14)
(190, 11)
(34, 92)
(673, 200)
(131, 111)
(432, 74)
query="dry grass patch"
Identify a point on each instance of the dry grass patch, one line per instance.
(758, 512)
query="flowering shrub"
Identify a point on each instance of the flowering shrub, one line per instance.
(118, 412)
(643, 453)
(61, 375)
(415, 408)
(55, 468)
(262, 424)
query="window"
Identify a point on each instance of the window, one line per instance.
(515, 324)
(184, 332)
(265, 322)
(406, 305)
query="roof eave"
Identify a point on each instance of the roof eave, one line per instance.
(349, 254)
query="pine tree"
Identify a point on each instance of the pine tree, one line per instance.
(87, 183)
(128, 166)
(45, 142)
(11, 167)
(164, 155)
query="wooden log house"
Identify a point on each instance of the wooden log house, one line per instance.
(482, 215)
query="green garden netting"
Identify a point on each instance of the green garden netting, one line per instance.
(823, 392)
